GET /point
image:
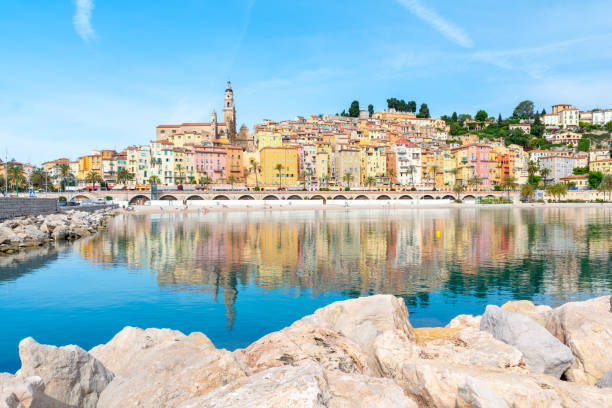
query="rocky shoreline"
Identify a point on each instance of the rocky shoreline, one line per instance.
(356, 353)
(31, 231)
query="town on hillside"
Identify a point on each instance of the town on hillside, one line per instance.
(564, 152)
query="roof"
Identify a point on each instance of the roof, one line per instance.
(574, 177)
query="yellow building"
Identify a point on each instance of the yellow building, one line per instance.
(604, 166)
(373, 161)
(267, 138)
(287, 157)
(89, 163)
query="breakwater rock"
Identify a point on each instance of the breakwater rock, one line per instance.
(356, 353)
(31, 231)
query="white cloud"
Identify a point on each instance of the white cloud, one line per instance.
(82, 19)
(431, 17)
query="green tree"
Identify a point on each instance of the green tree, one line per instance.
(411, 105)
(481, 116)
(609, 126)
(391, 174)
(580, 170)
(454, 117)
(37, 177)
(154, 179)
(231, 180)
(499, 120)
(537, 128)
(524, 110)
(370, 109)
(605, 186)
(254, 168)
(64, 174)
(411, 170)
(458, 189)
(434, 170)
(348, 178)
(181, 172)
(124, 175)
(279, 167)
(545, 172)
(206, 180)
(369, 181)
(354, 109)
(594, 179)
(584, 145)
(527, 191)
(423, 111)
(93, 178)
(509, 183)
(532, 167)
(474, 181)
(557, 190)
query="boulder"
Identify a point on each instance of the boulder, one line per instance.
(465, 321)
(71, 376)
(162, 368)
(7, 235)
(541, 351)
(16, 391)
(33, 233)
(59, 234)
(586, 328)
(540, 314)
(605, 381)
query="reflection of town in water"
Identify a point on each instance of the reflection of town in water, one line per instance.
(557, 252)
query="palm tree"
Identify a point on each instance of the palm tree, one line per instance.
(544, 173)
(231, 180)
(532, 168)
(255, 168)
(411, 170)
(527, 191)
(64, 173)
(279, 167)
(37, 177)
(154, 179)
(606, 186)
(458, 188)
(124, 175)
(509, 183)
(391, 174)
(205, 180)
(348, 178)
(474, 181)
(180, 171)
(93, 177)
(434, 169)
(557, 190)
(369, 181)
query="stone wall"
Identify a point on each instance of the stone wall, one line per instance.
(16, 207)
(90, 208)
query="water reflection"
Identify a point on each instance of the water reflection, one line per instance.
(520, 253)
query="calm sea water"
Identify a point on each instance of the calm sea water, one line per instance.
(238, 276)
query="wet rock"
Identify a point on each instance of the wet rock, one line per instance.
(465, 321)
(605, 381)
(540, 314)
(71, 376)
(541, 351)
(586, 328)
(162, 368)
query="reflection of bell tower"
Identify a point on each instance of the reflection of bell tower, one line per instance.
(229, 111)
(215, 131)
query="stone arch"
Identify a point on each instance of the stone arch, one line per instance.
(469, 197)
(271, 197)
(339, 197)
(406, 197)
(361, 197)
(246, 197)
(317, 197)
(294, 197)
(138, 200)
(427, 197)
(490, 196)
(220, 197)
(194, 197)
(79, 197)
(383, 197)
(168, 197)
(448, 197)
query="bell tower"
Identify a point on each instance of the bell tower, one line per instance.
(229, 111)
(215, 131)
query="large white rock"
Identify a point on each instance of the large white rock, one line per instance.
(7, 235)
(71, 376)
(586, 328)
(465, 321)
(540, 314)
(16, 391)
(162, 368)
(541, 351)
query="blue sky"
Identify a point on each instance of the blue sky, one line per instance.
(87, 74)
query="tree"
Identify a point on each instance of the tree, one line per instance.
(532, 167)
(524, 110)
(580, 170)
(124, 175)
(37, 177)
(509, 183)
(464, 116)
(180, 171)
(391, 174)
(584, 145)
(605, 186)
(369, 181)
(254, 168)
(370, 109)
(537, 128)
(609, 126)
(481, 116)
(93, 178)
(474, 181)
(411, 170)
(354, 109)
(279, 167)
(434, 170)
(423, 111)
(499, 120)
(205, 181)
(527, 191)
(454, 117)
(543, 111)
(411, 105)
(557, 190)
(594, 179)
(64, 174)
(154, 179)
(304, 175)
(458, 189)
(348, 178)
(545, 172)
(231, 180)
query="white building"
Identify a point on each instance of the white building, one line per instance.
(408, 157)
(602, 117)
(559, 166)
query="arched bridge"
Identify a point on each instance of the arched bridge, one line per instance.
(140, 197)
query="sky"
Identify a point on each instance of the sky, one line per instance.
(78, 75)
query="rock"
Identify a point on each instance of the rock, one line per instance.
(541, 351)
(540, 314)
(302, 342)
(465, 321)
(33, 233)
(71, 376)
(7, 235)
(427, 334)
(16, 391)
(475, 394)
(162, 368)
(586, 328)
(296, 387)
(59, 234)
(605, 381)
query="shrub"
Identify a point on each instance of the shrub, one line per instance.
(62, 199)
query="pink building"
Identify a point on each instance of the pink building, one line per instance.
(471, 160)
(211, 161)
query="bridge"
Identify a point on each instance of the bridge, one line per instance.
(140, 197)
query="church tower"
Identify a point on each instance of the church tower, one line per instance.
(229, 111)
(215, 131)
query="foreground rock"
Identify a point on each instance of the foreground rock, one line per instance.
(586, 328)
(359, 353)
(33, 231)
(542, 352)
